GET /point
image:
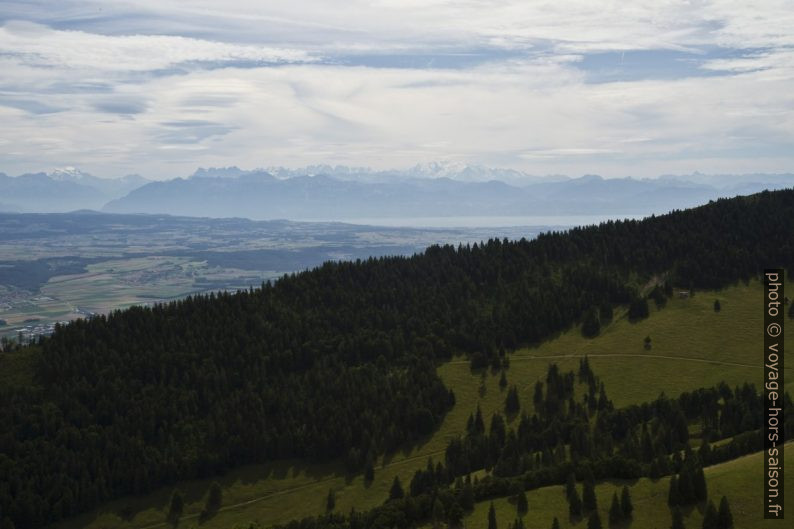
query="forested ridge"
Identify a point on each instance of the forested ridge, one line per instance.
(336, 361)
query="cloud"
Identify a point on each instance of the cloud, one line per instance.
(160, 87)
(36, 45)
(121, 106)
(29, 105)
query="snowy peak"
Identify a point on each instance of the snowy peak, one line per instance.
(69, 174)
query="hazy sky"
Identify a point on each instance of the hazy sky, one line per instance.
(160, 87)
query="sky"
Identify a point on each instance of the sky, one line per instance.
(161, 87)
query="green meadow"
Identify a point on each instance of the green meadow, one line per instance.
(739, 480)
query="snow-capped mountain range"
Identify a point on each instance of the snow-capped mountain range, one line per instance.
(341, 192)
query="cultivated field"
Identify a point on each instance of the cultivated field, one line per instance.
(59, 267)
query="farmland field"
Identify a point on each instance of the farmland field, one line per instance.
(65, 266)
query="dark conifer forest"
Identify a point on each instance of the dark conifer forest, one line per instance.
(340, 362)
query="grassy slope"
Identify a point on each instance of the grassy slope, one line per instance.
(692, 347)
(739, 480)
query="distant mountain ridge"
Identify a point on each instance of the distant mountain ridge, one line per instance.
(261, 194)
(62, 190)
(325, 192)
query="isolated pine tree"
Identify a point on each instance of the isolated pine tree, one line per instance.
(717, 306)
(396, 492)
(685, 485)
(214, 500)
(594, 522)
(625, 502)
(512, 404)
(710, 517)
(724, 516)
(699, 484)
(674, 495)
(479, 423)
(492, 517)
(537, 396)
(330, 500)
(503, 380)
(589, 502)
(176, 506)
(574, 504)
(615, 512)
(522, 506)
(570, 486)
(555, 524)
(467, 498)
(438, 512)
(678, 519)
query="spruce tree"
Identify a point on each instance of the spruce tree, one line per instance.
(570, 486)
(492, 517)
(503, 380)
(467, 498)
(678, 519)
(699, 484)
(574, 504)
(369, 470)
(522, 506)
(512, 404)
(674, 495)
(176, 507)
(537, 397)
(396, 492)
(438, 512)
(214, 500)
(479, 423)
(685, 485)
(710, 517)
(589, 502)
(653, 472)
(638, 309)
(724, 516)
(454, 515)
(330, 500)
(555, 524)
(717, 306)
(594, 522)
(625, 502)
(615, 512)
(591, 326)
